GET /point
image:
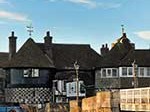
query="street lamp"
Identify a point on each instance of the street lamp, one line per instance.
(76, 66)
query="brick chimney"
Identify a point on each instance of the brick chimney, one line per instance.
(48, 44)
(48, 39)
(104, 49)
(12, 45)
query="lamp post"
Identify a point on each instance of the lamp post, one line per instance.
(76, 66)
(134, 65)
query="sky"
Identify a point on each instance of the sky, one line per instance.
(93, 22)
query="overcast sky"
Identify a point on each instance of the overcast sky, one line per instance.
(91, 22)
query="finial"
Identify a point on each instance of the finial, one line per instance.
(122, 26)
(30, 30)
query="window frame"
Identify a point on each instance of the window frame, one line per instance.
(148, 71)
(122, 72)
(139, 72)
(108, 73)
(30, 73)
(128, 71)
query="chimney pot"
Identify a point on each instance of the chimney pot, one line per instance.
(106, 45)
(12, 33)
(48, 38)
(104, 50)
(103, 46)
(48, 34)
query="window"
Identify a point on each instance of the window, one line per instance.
(124, 71)
(31, 73)
(35, 72)
(27, 72)
(114, 72)
(148, 71)
(103, 72)
(98, 74)
(109, 72)
(141, 71)
(130, 71)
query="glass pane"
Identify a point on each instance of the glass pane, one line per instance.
(141, 72)
(130, 71)
(104, 73)
(148, 71)
(109, 72)
(35, 72)
(124, 71)
(114, 72)
(27, 73)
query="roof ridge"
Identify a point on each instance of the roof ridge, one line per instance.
(71, 44)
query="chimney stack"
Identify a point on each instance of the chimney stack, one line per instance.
(48, 39)
(48, 44)
(12, 45)
(104, 50)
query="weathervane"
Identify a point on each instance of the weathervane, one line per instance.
(30, 30)
(122, 26)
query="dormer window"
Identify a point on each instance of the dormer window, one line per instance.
(31, 73)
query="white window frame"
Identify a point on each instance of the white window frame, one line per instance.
(102, 73)
(35, 72)
(111, 74)
(127, 72)
(147, 72)
(27, 73)
(31, 73)
(128, 68)
(122, 72)
(139, 72)
(116, 72)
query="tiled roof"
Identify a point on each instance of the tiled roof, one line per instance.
(117, 53)
(30, 55)
(64, 56)
(3, 58)
(141, 57)
(33, 54)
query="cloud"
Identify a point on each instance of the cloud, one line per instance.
(13, 16)
(109, 5)
(143, 34)
(91, 3)
(84, 2)
(3, 1)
